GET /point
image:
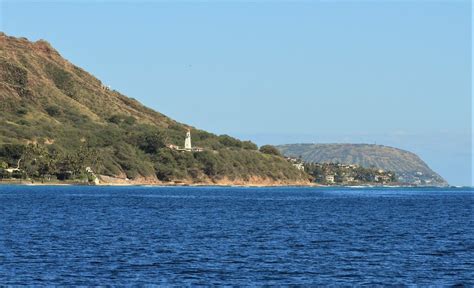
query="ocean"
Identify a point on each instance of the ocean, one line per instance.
(86, 235)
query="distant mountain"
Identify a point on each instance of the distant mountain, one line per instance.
(408, 166)
(65, 112)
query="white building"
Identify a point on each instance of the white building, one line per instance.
(94, 177)
(299, 166)
(11, 170)
(330, 178)
(349, 179)
(187, 141)
(187, 145)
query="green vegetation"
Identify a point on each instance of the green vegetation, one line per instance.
(46, 162)
(53, 111)
(59, 120)
(269, 149)
(408, 166)
(335, 173)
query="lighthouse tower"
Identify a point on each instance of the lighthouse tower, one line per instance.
(187, 142)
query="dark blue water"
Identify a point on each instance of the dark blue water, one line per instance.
(236, 236)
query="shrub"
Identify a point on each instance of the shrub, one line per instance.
(119, 119)
(4, 174)
(209, 163)
(23, 122)
(150, 142)
(21, 111)
(53, 111)
(248, 145)
(129, 120)
(18, 175)
(269, 149)
(228, 141)
(12, 151)
(116, 119)
(164, 173)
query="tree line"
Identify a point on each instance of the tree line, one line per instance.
(47, 162)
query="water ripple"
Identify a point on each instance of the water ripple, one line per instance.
(235, 236)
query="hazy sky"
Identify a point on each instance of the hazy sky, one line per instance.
(396, 73)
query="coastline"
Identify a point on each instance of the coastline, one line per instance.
(159, 184)
(200, 184)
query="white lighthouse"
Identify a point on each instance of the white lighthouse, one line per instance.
(187, 145)
(187, 141)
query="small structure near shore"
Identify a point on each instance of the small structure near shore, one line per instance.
(297, 163)
(11, 170)
(330, 179)
(93, 176)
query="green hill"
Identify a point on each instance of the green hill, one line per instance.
(70, 119)
(407, 166)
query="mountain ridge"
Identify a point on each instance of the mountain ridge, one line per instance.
(408, 166)
(50, 106)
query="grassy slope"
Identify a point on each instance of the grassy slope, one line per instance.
(46, 99)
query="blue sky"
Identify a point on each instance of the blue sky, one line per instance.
(396, 73)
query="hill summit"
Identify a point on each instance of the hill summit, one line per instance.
(408, 167)
(57, 120)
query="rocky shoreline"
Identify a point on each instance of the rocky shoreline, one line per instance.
(199, 184)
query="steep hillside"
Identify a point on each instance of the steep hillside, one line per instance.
(61, 109)
(408, 166)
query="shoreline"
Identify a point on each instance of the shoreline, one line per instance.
(173, 184)
(144, 184)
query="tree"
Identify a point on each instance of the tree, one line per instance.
(150, 142)
(269, 149)
(12, 152)
(248, 145)
(4, 174)
(76, 162)
(228, 141)
(47, 164)
(209, 163)
(165, 164)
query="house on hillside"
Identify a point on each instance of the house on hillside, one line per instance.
(330, 178)
(296, 163)
(385, 178)
(299, 166)
(348, 179)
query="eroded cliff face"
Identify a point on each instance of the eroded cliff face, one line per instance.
(251, 182)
